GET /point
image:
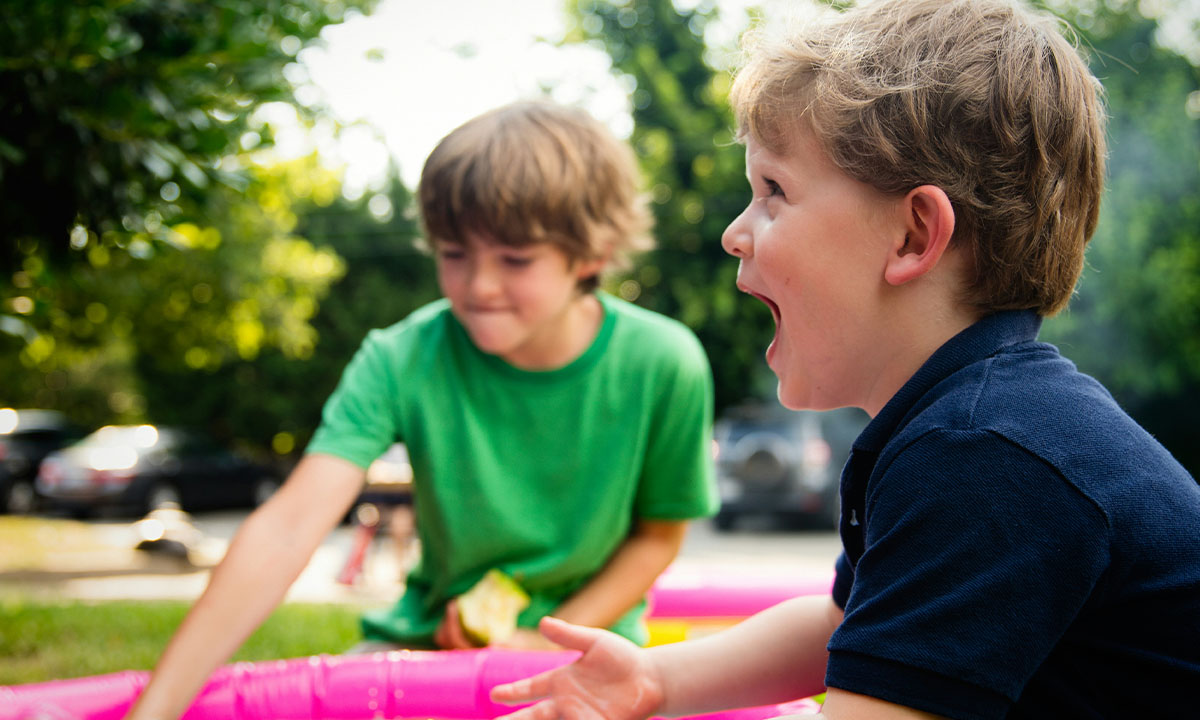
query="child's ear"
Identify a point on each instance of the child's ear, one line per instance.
(929, 225)
(587, 268)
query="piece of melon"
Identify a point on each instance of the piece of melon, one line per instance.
(489, 610)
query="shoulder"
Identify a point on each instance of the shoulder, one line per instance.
(428, 320)
(424, 329)
(1030, 405)
(653, 337)
(420, 340)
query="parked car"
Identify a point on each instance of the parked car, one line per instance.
(27, 436)
(143, 467)
(389, 479)
(785, 464)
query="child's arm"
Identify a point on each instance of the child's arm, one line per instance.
(268, 552)
(624, 580)
(775, 656)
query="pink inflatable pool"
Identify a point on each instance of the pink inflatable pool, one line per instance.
(447, 685)
(453, 685)
(727, 593)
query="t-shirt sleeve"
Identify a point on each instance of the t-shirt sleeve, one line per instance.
(358, 420)
(977, 558)
(678, 479)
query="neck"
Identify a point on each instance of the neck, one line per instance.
(918, 319)
(915, 343)
(565, 341)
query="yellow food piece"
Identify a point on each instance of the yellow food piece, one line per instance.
(489, 610)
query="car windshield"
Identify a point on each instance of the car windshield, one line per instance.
(135, 436)
(13, 422)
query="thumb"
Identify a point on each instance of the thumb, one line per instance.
(569, 636)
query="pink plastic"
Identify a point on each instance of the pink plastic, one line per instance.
(448, 685)
(681, 593)
(453, 685)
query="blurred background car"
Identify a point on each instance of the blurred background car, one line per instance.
(27, 436)
(143, 468)
(782, 464)
(389, 479)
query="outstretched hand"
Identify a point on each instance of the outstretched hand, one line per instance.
(613, 679)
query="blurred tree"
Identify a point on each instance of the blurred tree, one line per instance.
(138, 231)
(1135, 323)
(683, 134)
(385, 278)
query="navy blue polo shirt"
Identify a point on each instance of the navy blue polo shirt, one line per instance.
(1016, 546)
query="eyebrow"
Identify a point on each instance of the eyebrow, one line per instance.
(768, 163)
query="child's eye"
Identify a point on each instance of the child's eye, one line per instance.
(773, 189)
(516, 261)
(451, 252)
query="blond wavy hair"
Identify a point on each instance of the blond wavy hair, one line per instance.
(986, 99)
(537, 172)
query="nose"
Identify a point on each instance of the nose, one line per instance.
(737, 240)
(483, 280)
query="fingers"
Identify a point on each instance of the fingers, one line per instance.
(531, 688)
(441, 636)
(572, 637)
(449, 634)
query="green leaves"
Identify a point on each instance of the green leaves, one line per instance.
(696, 177)
(139, 231)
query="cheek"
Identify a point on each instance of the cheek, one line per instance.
(542, 284)
(449, 279)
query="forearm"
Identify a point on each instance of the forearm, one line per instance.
(774, 656)
(243, 590)
(267, 554)
(627, 575)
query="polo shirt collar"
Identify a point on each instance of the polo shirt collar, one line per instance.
(977, 342)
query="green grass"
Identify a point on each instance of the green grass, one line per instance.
(48, 640)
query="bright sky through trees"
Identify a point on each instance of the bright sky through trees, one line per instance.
(413, 70)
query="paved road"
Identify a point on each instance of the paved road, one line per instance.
(109, 568)
(748, 549)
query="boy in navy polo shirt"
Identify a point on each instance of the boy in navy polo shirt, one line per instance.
(925, 175)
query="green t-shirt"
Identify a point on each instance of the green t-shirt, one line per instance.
(539, 474)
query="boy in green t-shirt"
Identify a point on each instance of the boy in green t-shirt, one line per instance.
(556, 433)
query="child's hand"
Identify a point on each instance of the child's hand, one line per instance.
(450, 635)
(613, 680)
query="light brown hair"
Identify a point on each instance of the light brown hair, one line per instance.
(985, 99)
(534, 172)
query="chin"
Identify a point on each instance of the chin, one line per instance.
(796, 398)
(491, 348)
(785, 399)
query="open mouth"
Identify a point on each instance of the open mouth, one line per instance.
(486, 309)
(766, 301)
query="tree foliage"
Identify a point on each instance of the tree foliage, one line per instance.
(274, 399)
(386, 277)
(683, 135)
(139, 232)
